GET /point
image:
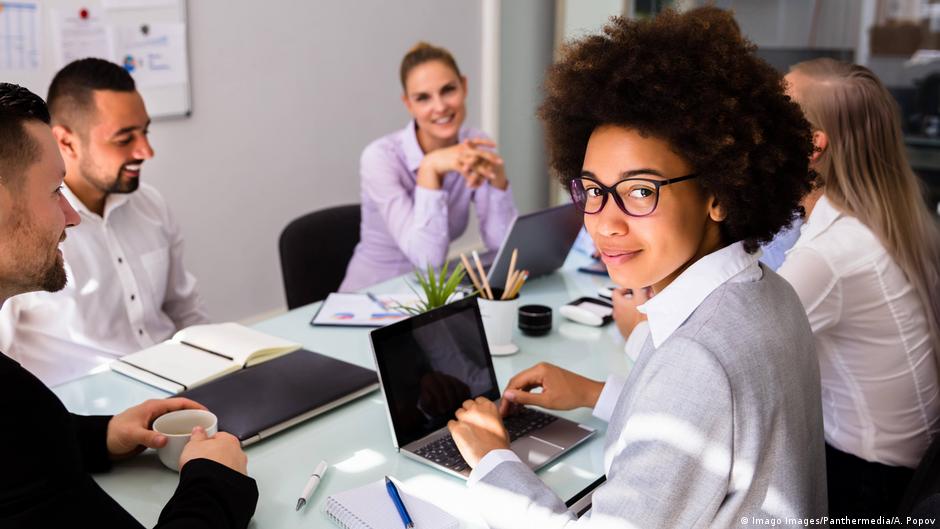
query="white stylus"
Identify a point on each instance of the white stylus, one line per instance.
(311, 484)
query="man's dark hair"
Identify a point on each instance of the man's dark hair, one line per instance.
(693, 81)
(18, 150)
(71, 94)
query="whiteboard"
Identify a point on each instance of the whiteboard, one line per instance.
(148, 37)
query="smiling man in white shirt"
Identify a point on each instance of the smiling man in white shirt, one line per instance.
(127, 286)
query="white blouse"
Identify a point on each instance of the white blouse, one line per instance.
(880, 396)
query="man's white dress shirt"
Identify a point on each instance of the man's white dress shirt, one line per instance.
(127, 290)
(879, 375)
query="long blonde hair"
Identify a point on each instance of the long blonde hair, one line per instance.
(865, 172)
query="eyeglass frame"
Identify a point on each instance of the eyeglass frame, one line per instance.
(612, 191)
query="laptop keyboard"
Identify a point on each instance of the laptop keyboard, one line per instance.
(444, 452)
(525, 421)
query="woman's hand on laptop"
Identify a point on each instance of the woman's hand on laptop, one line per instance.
(561, 389)
(478, 429)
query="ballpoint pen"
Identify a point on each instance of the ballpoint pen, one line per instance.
(375, 299)
(311, 484)
(400, 505)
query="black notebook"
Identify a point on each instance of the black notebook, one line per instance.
(257, 402)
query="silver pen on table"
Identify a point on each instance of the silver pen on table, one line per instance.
(311, 484)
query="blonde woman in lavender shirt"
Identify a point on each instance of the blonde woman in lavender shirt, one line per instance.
(418, 183)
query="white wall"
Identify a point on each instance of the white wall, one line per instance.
(578, 18)
(285, 96)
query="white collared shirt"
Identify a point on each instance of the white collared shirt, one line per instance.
(665, 312)
(879, 378)
(127, 290)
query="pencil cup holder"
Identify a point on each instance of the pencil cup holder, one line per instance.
(499, 319)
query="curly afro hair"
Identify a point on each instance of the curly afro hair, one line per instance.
(692, 80)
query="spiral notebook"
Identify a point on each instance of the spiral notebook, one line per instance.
(370, 507)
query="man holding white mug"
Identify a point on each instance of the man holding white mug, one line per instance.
(47, 453)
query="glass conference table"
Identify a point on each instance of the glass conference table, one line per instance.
(355, 438)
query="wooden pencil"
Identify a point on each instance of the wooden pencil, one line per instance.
(525, 277)
(519, 282)
(510, 282)
(483, 279)
(473, 276)
(512, 269)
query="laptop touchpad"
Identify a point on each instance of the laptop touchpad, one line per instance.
(533, 451)
(562, 433)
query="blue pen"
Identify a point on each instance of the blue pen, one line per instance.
(400, 505)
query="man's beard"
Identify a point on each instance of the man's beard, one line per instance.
(115, 186)
(123, 186)
(54, 278)
(50, 275)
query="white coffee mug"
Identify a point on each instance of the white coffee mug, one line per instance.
(178, 426)
(499, 319)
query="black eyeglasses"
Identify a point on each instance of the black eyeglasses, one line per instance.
(637, 197)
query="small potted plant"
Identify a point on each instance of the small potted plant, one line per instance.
(437, 289)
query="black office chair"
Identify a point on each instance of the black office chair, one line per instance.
(922, 498)
(315, 250)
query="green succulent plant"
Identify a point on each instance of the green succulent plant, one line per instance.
(436, 288)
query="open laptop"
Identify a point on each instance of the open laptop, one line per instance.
(543, 239)
(429, 364)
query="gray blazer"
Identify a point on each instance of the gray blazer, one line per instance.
(720, 425)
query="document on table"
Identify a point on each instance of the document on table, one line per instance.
(361, 310)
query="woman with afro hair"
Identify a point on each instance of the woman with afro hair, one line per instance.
(685, 154)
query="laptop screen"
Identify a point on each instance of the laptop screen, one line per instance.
(430, 364)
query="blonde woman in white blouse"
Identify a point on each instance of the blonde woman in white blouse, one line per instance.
(866, 269)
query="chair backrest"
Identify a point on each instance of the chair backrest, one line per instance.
(315, 250)
(926, 481)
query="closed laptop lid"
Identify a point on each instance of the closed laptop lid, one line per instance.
(429, 364)
(257, 398)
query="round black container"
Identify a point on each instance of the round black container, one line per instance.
(535, 320)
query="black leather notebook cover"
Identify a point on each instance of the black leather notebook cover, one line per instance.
(252, 400)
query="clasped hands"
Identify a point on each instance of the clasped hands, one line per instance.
(130, 433)
(471, 158)
(478, 426)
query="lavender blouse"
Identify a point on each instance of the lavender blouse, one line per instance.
(405, 226)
